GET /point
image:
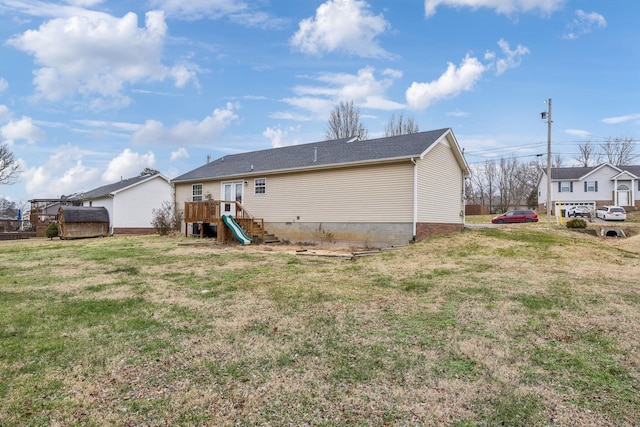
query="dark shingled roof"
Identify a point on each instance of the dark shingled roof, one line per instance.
(315, 155)
(572, 174)
(105, 190)
(74, 214)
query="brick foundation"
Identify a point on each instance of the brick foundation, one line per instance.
(425, 230)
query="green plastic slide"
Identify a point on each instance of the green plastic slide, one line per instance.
(236, 229)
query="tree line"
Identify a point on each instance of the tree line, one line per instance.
(506, 183)
(498, 184)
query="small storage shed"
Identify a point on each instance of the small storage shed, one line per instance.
(76, 222)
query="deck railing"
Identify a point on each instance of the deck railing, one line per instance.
(211, 211)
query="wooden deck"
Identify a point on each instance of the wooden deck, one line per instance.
(211, 211)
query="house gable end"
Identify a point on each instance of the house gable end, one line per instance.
(597, 169)
(448, 139)
(624, 175)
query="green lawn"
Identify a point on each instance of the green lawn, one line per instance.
(525, 325)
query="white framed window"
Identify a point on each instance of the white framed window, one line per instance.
(260, 186)
(565, 187)
(591, 186)
(196, 192)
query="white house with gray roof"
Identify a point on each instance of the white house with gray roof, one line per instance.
(377, 192)
(130, 202)
(595, 186)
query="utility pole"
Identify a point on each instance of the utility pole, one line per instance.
(547, 115)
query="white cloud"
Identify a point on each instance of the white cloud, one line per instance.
(457, 113)
(128, 164)
(188, 132)
(457, 80)
(506, 7)
(277, 137)
(94, 54)
(41, 182)
(62, 174)
(65, 173)
(22, 129)
(364, 88)
(451, 83)
(578, 132)
(198, 9)
(342, 26)
(622, 119)
(584, 23)
(512, 58)
(180, 153)
(4, 84)
(85, 3)
(5, 114)
(236, 11)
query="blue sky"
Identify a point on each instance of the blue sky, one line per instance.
(95, 90)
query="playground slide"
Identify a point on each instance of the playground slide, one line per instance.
(236, 229)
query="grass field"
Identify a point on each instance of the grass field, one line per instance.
(523, 325)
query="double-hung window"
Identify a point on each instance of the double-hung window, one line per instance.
(591, 186)
(260, 186)
(565, 187)
(196, 194)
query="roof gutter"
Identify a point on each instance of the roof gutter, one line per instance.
(294, 169)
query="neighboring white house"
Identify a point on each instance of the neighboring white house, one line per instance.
(378, 192)
(130, 202)
(595, 186)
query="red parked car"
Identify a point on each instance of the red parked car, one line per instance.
(519, 215)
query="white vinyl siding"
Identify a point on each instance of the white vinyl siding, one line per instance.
(133, 207)
(377, 193)
(439, 187)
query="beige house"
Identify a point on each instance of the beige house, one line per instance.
(374, 193)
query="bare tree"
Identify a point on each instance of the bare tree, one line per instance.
(588, 154)
(619, 151)
(344, 122)
(9, 166)
(401, 126)
(557, 161)
(491, 180)
(504, 184)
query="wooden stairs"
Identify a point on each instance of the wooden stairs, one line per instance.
(211, 211)
(260, 235)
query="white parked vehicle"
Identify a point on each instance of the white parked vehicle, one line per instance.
(579, 210)
(611, 213)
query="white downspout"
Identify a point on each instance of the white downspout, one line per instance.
(113, 213)
(463, 203)
(415, 197)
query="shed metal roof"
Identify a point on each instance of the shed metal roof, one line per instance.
(322, 154)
